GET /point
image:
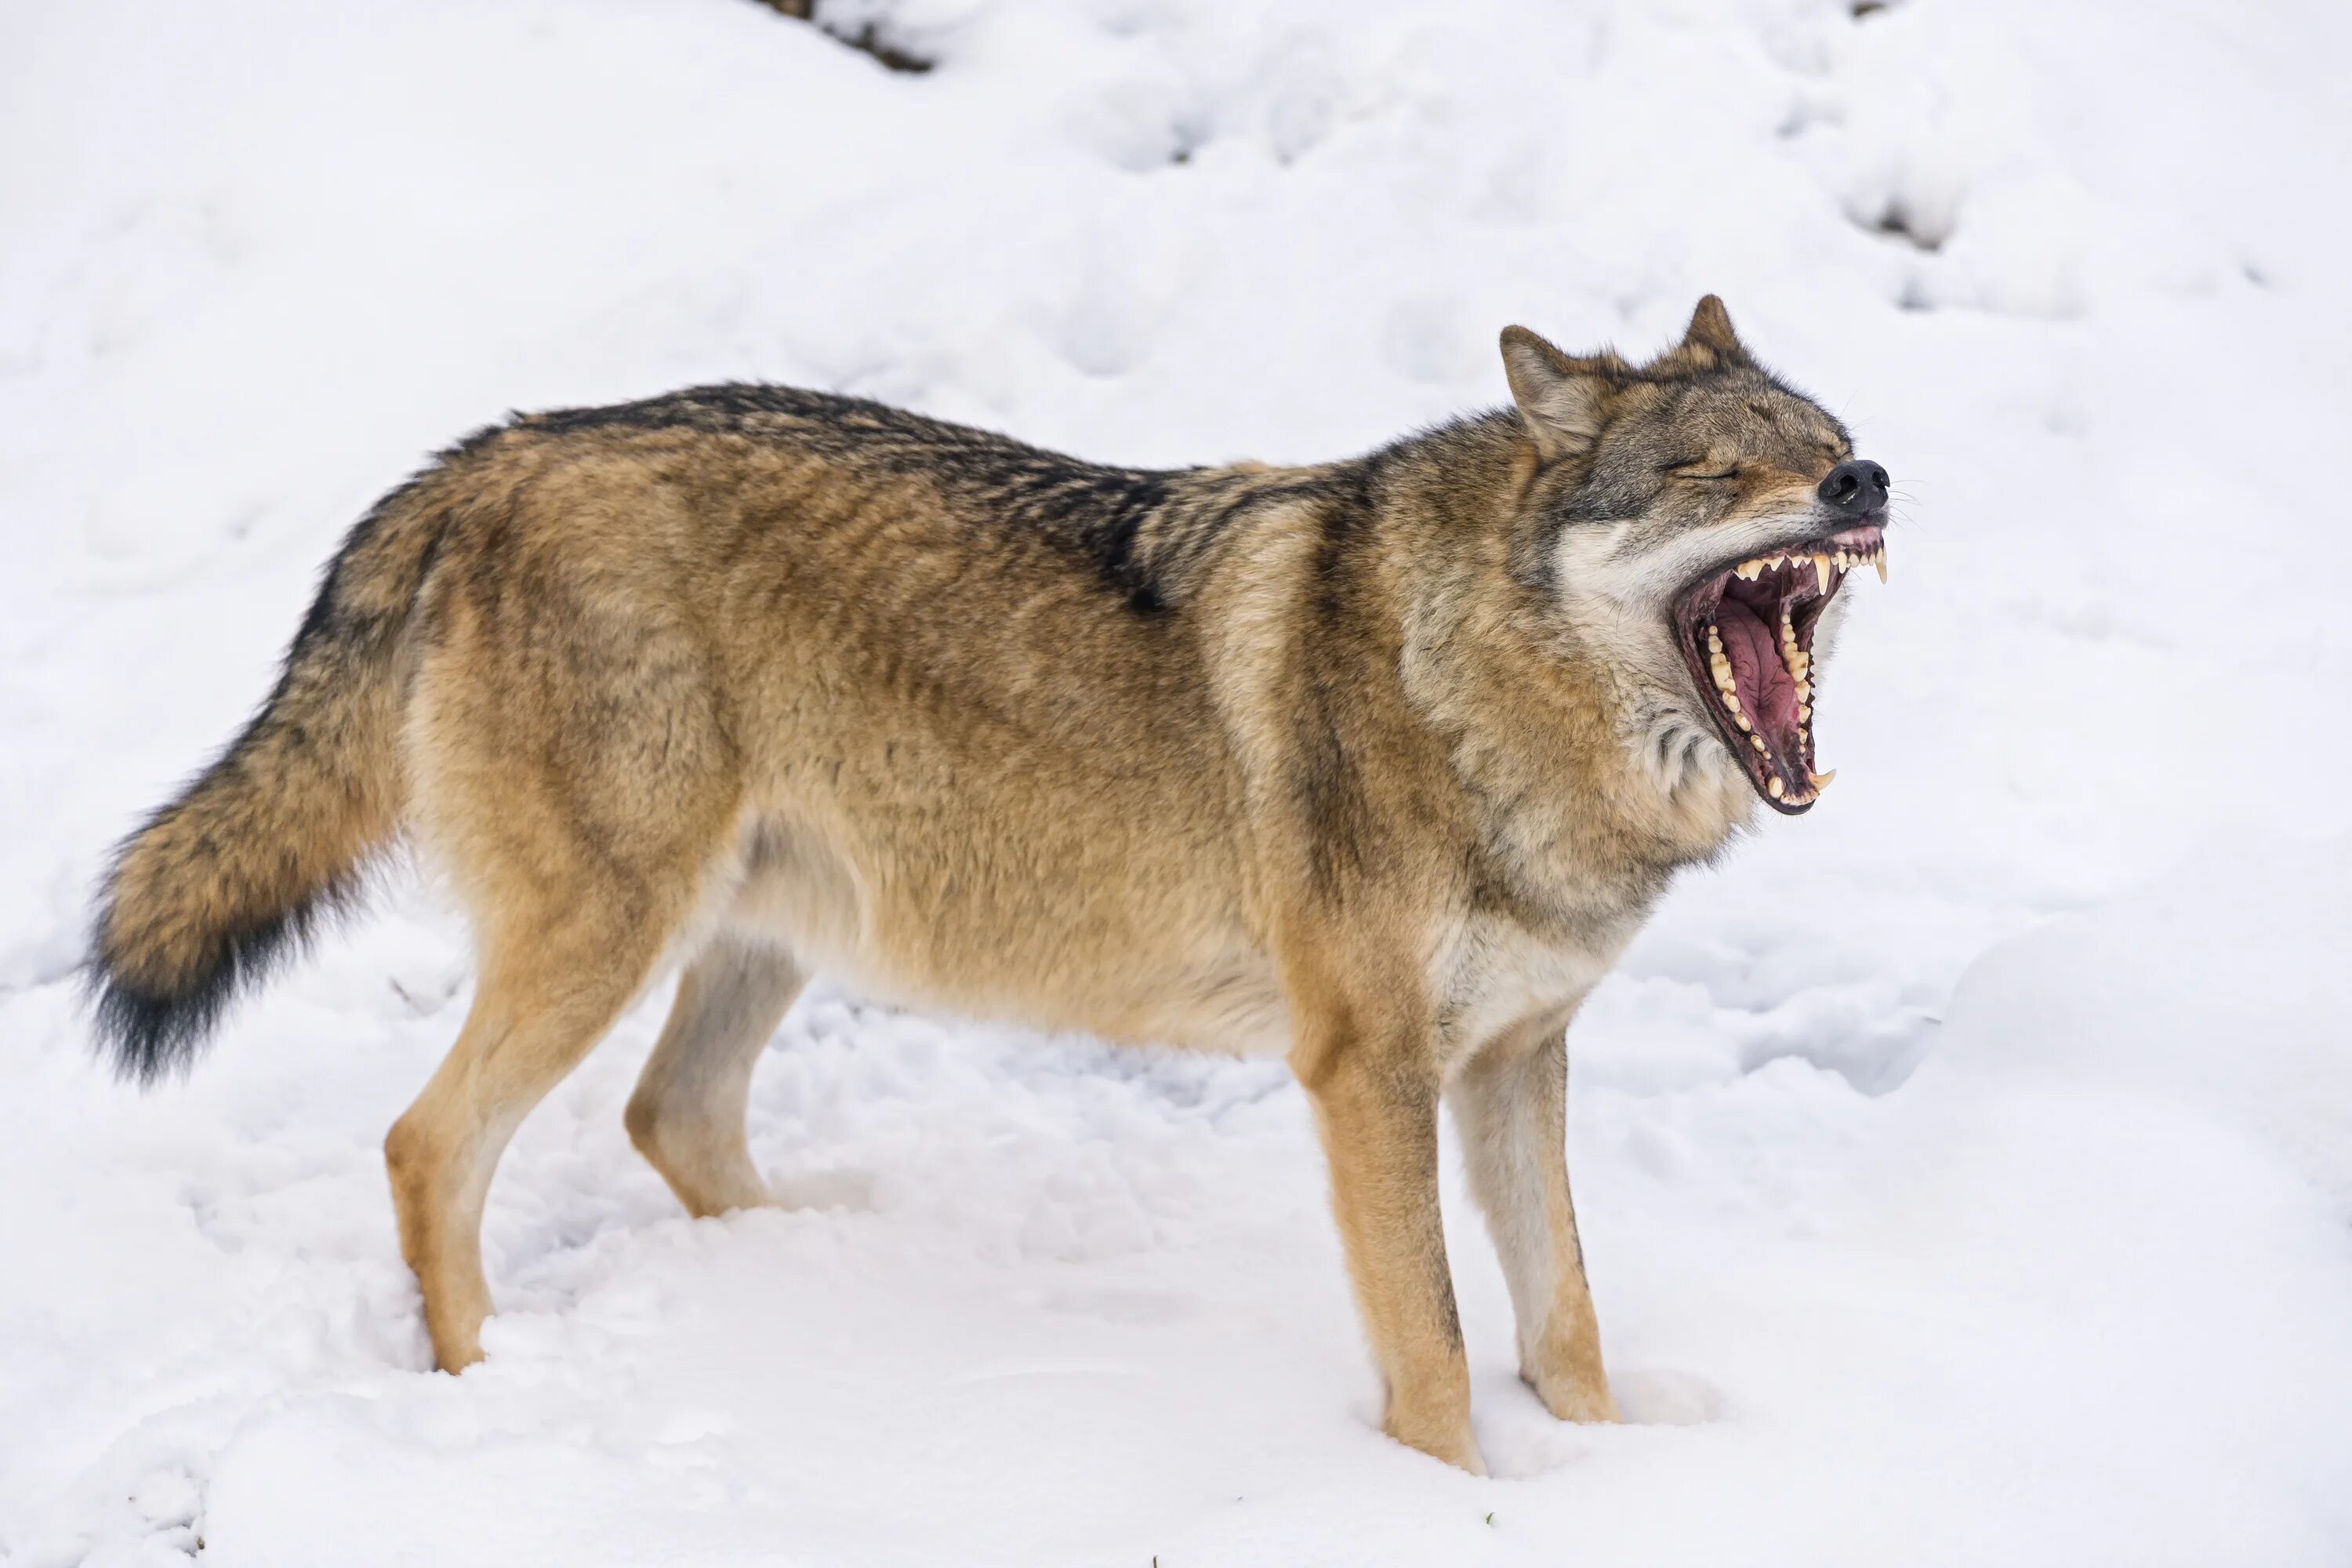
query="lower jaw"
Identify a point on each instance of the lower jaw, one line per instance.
(1765, 763)
(1787, 783)
(1780, 770)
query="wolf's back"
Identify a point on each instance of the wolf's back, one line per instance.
(229, 877)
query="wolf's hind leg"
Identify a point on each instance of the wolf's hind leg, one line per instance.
(549, 990)
(1511, 1105)
(687, 1115)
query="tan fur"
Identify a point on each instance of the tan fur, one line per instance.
(1362, 764)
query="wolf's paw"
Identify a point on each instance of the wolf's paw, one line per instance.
(1448, 1439)
(1572, 1397)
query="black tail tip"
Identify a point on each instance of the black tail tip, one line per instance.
(146, 1035)
(149, 1032)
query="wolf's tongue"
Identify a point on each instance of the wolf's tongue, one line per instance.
(1767, 692)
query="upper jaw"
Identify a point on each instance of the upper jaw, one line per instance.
(1862, 544)
(1830, 553)
(1746, 630)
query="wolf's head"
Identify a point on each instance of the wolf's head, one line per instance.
(1693, 521)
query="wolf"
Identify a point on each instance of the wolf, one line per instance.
(1376, 765)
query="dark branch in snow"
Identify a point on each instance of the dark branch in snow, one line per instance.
(867, 39)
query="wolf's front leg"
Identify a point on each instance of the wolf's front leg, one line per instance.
(1376, 1104)
(1511, 1105)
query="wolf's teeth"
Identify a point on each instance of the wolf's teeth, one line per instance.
(1775, 786)
(1745, 727)
(1804, 712)
(1757, 740)
(1821, 781)
(1879, 561)
(1748, 570)
(1822, 571)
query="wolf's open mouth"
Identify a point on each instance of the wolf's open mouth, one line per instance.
(1746, 633)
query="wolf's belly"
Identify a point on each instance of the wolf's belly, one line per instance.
(1142, 961)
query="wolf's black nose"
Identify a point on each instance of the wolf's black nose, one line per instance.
(1856, 487)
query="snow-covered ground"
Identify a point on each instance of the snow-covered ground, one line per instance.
(1966, 1168)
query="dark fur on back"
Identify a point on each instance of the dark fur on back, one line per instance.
(1139, 529)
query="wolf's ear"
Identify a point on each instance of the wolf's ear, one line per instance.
(1563, 401)
(1710, 334)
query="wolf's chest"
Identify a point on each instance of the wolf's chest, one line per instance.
(1497, 972)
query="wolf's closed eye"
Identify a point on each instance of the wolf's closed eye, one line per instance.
(1686, 470)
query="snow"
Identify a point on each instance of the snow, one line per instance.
(1963, 1168)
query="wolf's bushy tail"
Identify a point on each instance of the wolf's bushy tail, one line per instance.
(234, 875)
